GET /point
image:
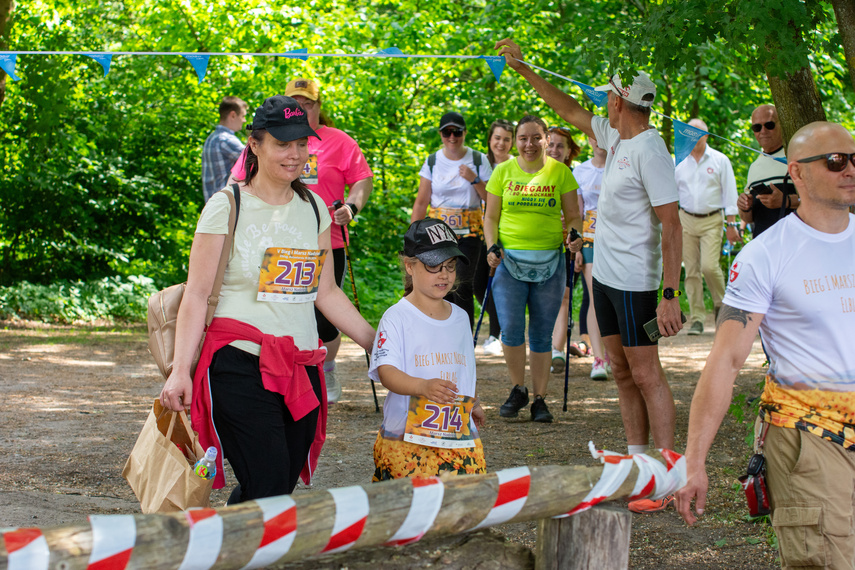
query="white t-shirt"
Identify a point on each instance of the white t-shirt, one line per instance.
(260, 226)
(638, 176)
(422, 347)
(803, 281)
(448, 188)
(590, 179)
(708, 184)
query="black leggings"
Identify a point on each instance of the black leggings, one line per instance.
(464, 295)
(264, 445)
(482, 275)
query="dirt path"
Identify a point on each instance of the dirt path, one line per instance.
(74, 401)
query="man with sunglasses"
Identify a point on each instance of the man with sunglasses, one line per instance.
(795, 282)
(768, 197)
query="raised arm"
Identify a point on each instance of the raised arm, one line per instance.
(734, 337)
(566, 106)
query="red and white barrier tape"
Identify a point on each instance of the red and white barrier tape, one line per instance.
(27, 548)
(206, 539)
(351, 510)
(653, 477)
(513, 492)
(427, 500)
(280, 528)
(113, 541)
(114, 536)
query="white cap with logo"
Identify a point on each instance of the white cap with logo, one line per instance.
(641, 92)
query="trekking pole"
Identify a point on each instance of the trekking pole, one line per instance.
(484, 303)
(574, 235)
(336, 205)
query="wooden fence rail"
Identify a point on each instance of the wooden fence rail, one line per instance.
(291, 528)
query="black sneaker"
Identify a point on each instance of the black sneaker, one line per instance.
(539, 411)
(515, 402)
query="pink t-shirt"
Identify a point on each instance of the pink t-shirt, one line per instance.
(335, 161)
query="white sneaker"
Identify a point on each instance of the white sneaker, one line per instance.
(558, 361)
(333, 387)
(598, 370)
(492, 346)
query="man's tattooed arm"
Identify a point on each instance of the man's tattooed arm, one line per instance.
(729, 313)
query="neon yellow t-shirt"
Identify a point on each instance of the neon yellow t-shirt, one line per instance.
(531, 203)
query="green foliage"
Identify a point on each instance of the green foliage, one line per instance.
(111, 299)
(101, 176)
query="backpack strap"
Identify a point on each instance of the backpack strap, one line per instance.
(317, 213)
(234, 212)
(431, 162)
(477, 157)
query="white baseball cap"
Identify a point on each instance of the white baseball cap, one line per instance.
(641, 92)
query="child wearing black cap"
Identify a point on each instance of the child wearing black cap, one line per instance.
(424, 355)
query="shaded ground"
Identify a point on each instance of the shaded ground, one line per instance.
(74, 401)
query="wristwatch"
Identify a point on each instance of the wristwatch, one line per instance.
(669, 293)
(477, 180)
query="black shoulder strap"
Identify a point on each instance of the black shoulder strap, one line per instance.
(477, 157)
(431, 162)
(236, 191)
(317, 213)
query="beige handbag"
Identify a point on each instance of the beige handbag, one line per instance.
(160, 468)
(163, 305)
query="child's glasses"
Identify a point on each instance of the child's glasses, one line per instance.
(450, 266)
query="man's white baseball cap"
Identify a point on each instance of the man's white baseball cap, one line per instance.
(641, 92)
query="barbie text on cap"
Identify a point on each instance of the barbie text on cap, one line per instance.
(432, 242)
(283, 118)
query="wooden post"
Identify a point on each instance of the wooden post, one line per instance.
(594, 539)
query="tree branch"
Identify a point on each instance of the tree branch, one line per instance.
(189, 23)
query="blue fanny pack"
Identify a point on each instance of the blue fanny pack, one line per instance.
(532, 265)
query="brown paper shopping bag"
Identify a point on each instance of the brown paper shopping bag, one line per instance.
(160, 468)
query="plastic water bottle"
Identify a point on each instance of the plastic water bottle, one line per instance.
(206, 467)
(727, 248)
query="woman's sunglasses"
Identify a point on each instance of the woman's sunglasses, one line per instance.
(450, 266)
(834, 161)
(451, 132)
(757, 127)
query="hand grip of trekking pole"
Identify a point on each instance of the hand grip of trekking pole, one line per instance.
(336, 205)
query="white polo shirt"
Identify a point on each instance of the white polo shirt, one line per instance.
(707, 185)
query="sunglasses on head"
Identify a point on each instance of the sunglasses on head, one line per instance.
(834, 161)
(449, 131)
(757, 127)
(450, 266)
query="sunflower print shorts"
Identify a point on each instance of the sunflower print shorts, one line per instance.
(395, 459)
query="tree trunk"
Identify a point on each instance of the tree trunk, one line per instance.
(597, 539)
(6, 8)
(797, 100)
(844, 11)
